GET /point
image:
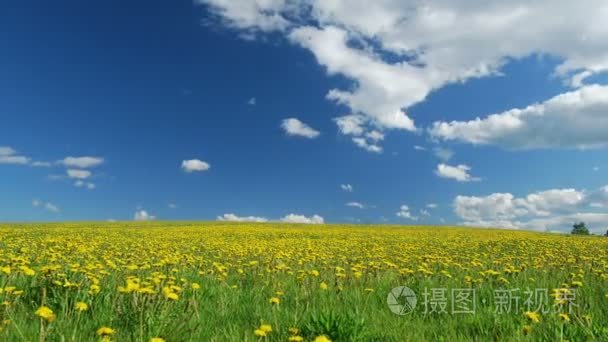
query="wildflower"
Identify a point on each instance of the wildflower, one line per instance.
(82, 306)
(322, 338)
(157, 339)
(259, 332)
(527, 330)
(266, 328)
(5, 269)
(369, 290)
(323, 286)
(46, 313)
(577, 283)
(169, 294)
(105, 331)
(294, 331)
(534, 317)
(564, 317)
(295, 338)
(274, 300)
(195, 286)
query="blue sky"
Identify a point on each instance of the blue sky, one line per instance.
(177, 111)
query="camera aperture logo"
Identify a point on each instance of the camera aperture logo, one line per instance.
(401, 300)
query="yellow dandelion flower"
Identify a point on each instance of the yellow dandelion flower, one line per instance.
(105, 331)
(266, 328)
(564, 317)
(46, 313)
(157, 339)
(322, 338)
(295, 338)
(259, 332)
(323, 286)
(274, 300)
(195, 286)
(532, 316)
(82, 306)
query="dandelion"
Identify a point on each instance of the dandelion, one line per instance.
(259, 332)
(274, 300)
(105, 331)
(46, 313)
(534, 317)
(564, 317)
(295, 338)
(82, 306)
(527, 330)
(322, 338)
(323, 286)
(266, 328)
(195, 286)
(157, 339)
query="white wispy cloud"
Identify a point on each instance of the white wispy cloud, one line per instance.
(78, 174)
(347, 187)
(459, 173)
(195, 165)
(356, 205)
(81, 162)
(296, 218)
(45, 205)
(295, 127)
(235, 218)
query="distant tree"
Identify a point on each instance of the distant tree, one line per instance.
(580, 229)
(606, 234)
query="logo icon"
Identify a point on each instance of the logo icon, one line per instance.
(401, 300)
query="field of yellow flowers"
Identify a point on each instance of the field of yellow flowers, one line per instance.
(164, 281)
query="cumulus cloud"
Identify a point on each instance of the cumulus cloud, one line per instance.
(404, 212)
(81, 162)
(78, 174)
(553, 209)
(346, 187)
(400, 51)
(7, 151)
(234, 218)
(195, 165)
(459, 173)
(295, 127)
(142, 215)
(575, 119)
(295, 218)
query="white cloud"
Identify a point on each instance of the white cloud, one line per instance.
(404, 212)
(419, 148)
(356, 205)
(293, 126)
(596, 168)
(432, 206)
(366, 145)
(400, 51)
(424, 212)
(78, 174)
(7, 151)
(295, 218)
(549, 210)
(195, 165)
(444, 154)
(82, 184)
(459, 173)
(19, 160)
(142, 215)
(172, 206)
(41, 164)
(346, 187)
(81, 162)
(252, 101)
(46, 205)
(235, 218)
(575, 119)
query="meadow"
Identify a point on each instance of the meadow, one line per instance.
(162, 281)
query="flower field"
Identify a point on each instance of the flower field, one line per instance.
(163, 281)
